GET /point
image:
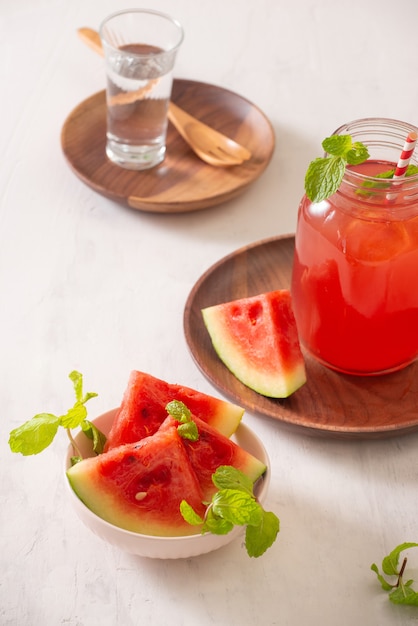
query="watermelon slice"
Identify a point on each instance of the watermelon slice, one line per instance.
(211, 451)
(143, 410)
(257, 339)
(139, 486)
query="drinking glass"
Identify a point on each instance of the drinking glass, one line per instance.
(140, 48)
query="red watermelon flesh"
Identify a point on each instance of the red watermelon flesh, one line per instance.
(212, 450)
(139, 486)
(142, 410)
(257, 340)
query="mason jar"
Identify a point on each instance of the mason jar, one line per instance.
(355, 273)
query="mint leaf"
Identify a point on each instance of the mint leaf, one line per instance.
(387, 175)
(385, 585)
(260, 537)
(337, 145)
(189, 515)
(34, 435)
(96, 435)
(229, 477)
(400, 592)
(179, 411)
(391, 561)
(38, 433)
(411, 170)
(74, 416)
(237, 507)
(404, 595)
(216, 525)
(323, 177)
(77, 379)
(357, 154)
(188, 431)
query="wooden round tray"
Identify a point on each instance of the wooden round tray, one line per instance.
(329, 403)
(182, 182)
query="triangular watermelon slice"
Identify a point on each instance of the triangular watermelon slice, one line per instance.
(212, 450)
(257, 340)
(139, 486)
(142, 410)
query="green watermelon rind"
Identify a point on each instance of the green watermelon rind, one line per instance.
(111, 497)
(243, 437)
(277, 378)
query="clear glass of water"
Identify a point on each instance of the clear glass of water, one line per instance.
(140, 48)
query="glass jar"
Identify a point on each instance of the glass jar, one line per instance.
(355, 273)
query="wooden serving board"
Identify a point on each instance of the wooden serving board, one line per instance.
(329, 403)
(182, 182)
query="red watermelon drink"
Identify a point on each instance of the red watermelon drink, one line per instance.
(355, 273)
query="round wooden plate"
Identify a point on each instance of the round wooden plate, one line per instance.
(329, 403)
(182, 182)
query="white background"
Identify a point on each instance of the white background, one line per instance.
(87, 284)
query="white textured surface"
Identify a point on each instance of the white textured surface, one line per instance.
(89, 285)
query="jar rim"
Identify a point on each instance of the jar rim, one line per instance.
(382, 131)
(363, 122)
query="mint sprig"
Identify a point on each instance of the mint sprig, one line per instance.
(324, 174)
(383, 177)
(400, 591)
(36, 434)
(234, 504)
(187, 428)
(411, 170)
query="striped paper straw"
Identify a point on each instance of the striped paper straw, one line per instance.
(406, 154)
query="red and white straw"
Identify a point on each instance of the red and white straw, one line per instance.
(406, 154)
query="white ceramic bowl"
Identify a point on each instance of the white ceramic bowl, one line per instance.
(162, 547)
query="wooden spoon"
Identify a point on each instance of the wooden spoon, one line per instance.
(210, 145)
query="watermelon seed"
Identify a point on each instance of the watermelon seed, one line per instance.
(140, 495)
